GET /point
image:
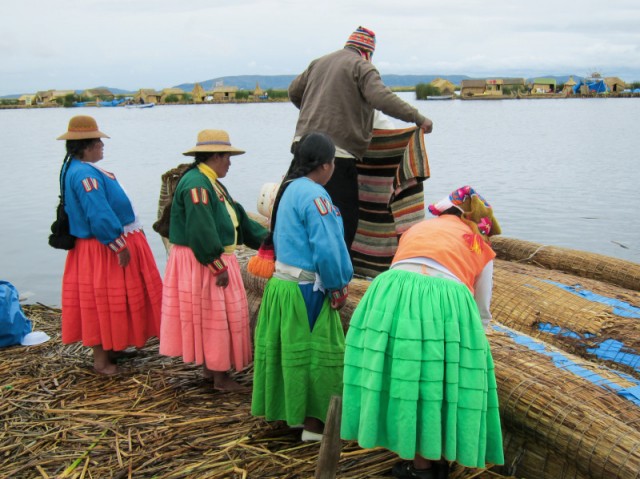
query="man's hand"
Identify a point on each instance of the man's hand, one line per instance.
(427, 126)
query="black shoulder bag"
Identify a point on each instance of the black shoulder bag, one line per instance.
(61, 237)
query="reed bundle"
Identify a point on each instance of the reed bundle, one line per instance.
(590, 318)
(157, 419)
(561, 416)
(583, 264)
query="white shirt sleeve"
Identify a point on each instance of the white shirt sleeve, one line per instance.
(483, 290)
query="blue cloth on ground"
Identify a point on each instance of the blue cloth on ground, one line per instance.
(14, 325)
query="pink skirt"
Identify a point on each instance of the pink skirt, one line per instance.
(106, 304)
(202, 322)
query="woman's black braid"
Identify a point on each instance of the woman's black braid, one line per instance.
(313, 150)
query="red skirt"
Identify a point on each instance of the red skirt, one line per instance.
(202, 322)
(106, 304)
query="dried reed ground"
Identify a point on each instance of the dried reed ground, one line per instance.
(158, 419)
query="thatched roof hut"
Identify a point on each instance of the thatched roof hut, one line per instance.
(472, 87)
(543, 85)
(102, 93)
(147, 96)
(615, 84)
(28, 99)
(568, 85)
(224, 93)
(178, 92)
(445, 86)
(50, 96)
(258, 91)
(198, 93)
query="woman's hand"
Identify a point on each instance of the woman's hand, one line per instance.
(222, 279)
(124, 257)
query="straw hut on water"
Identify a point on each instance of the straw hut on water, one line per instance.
(543, 85)
(198, 94)
(445, 86)
(28, 99)
(615, 84)
(98, 93)
(568, 86)
(50, 96)
(223, 93)
(176, 92)
(258, 93)
(147, 96)
(472, 87)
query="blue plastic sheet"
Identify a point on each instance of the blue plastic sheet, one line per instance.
(620, 308)
(561, 361)
(595, 86)
(14, 325)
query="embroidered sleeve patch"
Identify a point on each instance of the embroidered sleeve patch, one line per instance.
(323, 205)
(199, 195)
(90, 184)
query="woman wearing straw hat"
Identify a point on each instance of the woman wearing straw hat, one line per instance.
(205, 314)
(418, 376)
(299, 339)
(111, 287)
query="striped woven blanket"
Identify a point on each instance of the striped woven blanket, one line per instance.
(391, 196)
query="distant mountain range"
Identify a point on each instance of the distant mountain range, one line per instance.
(281, 82)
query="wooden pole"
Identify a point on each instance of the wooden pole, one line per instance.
(331, 444)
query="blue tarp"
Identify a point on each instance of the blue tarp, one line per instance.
(564, 362)
(595, 86)
(110, 103)
(14, 325)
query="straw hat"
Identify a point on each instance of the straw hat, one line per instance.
(213, 141)
(82, 127)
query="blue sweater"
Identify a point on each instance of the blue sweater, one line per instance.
(96, 204)
(309, 234)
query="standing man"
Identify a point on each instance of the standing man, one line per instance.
(337, 94)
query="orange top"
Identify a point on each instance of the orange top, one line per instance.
(449, 241)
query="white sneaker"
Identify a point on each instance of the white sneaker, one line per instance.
(308, 436)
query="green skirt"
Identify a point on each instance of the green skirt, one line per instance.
(296, 370)
(418, 375)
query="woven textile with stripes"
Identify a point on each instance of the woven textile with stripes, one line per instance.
(391, 196)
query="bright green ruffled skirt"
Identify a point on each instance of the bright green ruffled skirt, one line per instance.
(296, 370)
(418, 375)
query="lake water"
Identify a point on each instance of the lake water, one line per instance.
(558, 172)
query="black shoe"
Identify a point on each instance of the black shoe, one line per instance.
(405, 470)
(441, 468)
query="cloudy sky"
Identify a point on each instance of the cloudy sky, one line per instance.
(131, 44)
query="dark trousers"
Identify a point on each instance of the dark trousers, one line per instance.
(343, 189)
